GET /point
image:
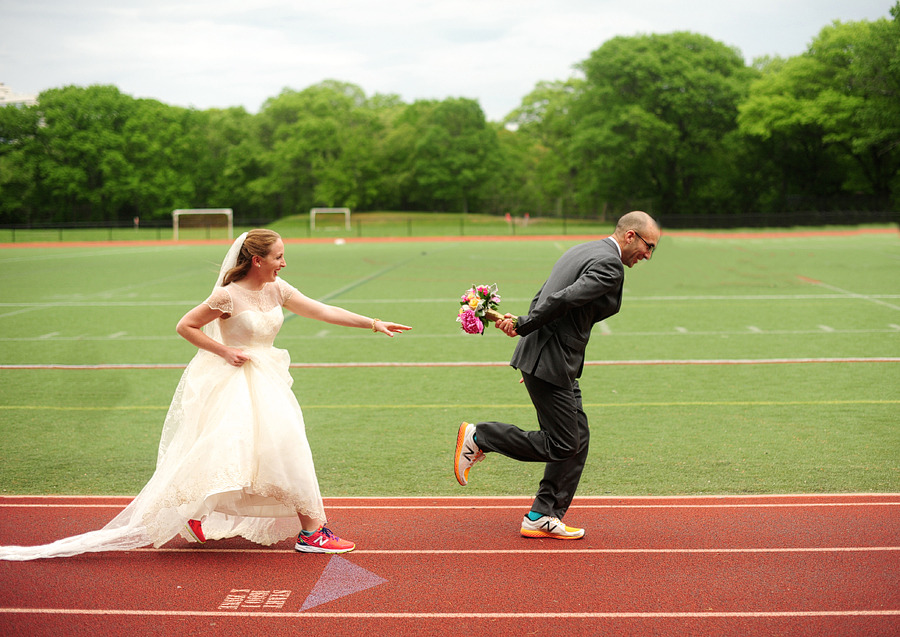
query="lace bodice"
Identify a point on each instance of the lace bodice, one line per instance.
(254, 318)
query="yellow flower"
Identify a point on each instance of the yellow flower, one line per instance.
(473, 302)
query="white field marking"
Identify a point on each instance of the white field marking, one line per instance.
(46, 336)
(604, 328)
(754, 297)
(322, 334)
(854, 295)
(721, 361)
(455, 335)
(754, 329)
(681, 330)
(894, 326)
(313, 615)
(117, 334)
(445, 406)
(105, 293)
(762, 297)
(103, 253)
(826, 328)
(102, 304)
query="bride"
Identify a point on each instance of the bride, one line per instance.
(233, 457)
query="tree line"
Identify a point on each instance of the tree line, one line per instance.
(673, 123)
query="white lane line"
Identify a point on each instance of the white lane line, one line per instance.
(635, 299)
(854, 295)
(105, 293)
(536, 551)
(469, 507)
(461, 335)
(312, 615)
(721, 361)
(102, 253)
(621, 405)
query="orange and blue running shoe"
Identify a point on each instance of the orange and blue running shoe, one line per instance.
(467, 453)
(323, 541)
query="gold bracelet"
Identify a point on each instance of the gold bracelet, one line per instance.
(373, 324)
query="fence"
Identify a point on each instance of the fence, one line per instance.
(424, 225)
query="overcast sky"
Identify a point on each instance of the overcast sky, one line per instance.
(220, 53)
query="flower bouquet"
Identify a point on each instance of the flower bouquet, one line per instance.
(478, 306)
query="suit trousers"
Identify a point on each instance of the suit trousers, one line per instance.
(562, 442)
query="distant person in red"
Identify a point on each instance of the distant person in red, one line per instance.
(584, 288)
(233, 459)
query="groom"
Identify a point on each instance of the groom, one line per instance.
(584, 288)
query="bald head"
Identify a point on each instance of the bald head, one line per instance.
(636, 220)
(637, 235)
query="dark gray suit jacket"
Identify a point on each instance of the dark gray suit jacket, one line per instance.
(584, 287)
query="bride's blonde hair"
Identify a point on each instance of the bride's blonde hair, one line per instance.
(257, 243)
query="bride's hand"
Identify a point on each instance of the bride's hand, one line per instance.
(386, 327)
(235, 356)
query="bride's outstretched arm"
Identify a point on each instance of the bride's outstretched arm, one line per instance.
(189, 329)
(309, 308)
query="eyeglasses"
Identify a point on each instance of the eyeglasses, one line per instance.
(649, 246)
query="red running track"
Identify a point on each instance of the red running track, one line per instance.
(795, 565)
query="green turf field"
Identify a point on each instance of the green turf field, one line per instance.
(656, 429)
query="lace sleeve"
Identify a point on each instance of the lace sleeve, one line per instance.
(220, 300)
(286, 290)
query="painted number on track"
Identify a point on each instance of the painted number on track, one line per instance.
(241, 598)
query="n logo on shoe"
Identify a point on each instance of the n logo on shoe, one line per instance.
(321, 540)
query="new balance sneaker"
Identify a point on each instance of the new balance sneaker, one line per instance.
(196, 530)
(323, 541)
(467, 453)
(549, 527)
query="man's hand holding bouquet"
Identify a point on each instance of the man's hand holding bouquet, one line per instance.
(478, 307)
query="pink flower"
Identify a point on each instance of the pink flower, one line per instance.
(471, 324)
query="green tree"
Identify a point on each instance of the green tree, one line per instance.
(20, 179)
(831, 116)
(444, 151)
(652, 118)
(94, 154)
(83, 165)
(317, 149)
(545, 119)
(223, 160)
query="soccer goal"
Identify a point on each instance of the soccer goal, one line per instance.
(330, 211)
(204, 219)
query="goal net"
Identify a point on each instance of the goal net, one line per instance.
(198, 223)
(329, 211)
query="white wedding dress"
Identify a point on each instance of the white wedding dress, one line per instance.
(233, 450)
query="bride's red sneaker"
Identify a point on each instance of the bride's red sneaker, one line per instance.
(196, 530)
